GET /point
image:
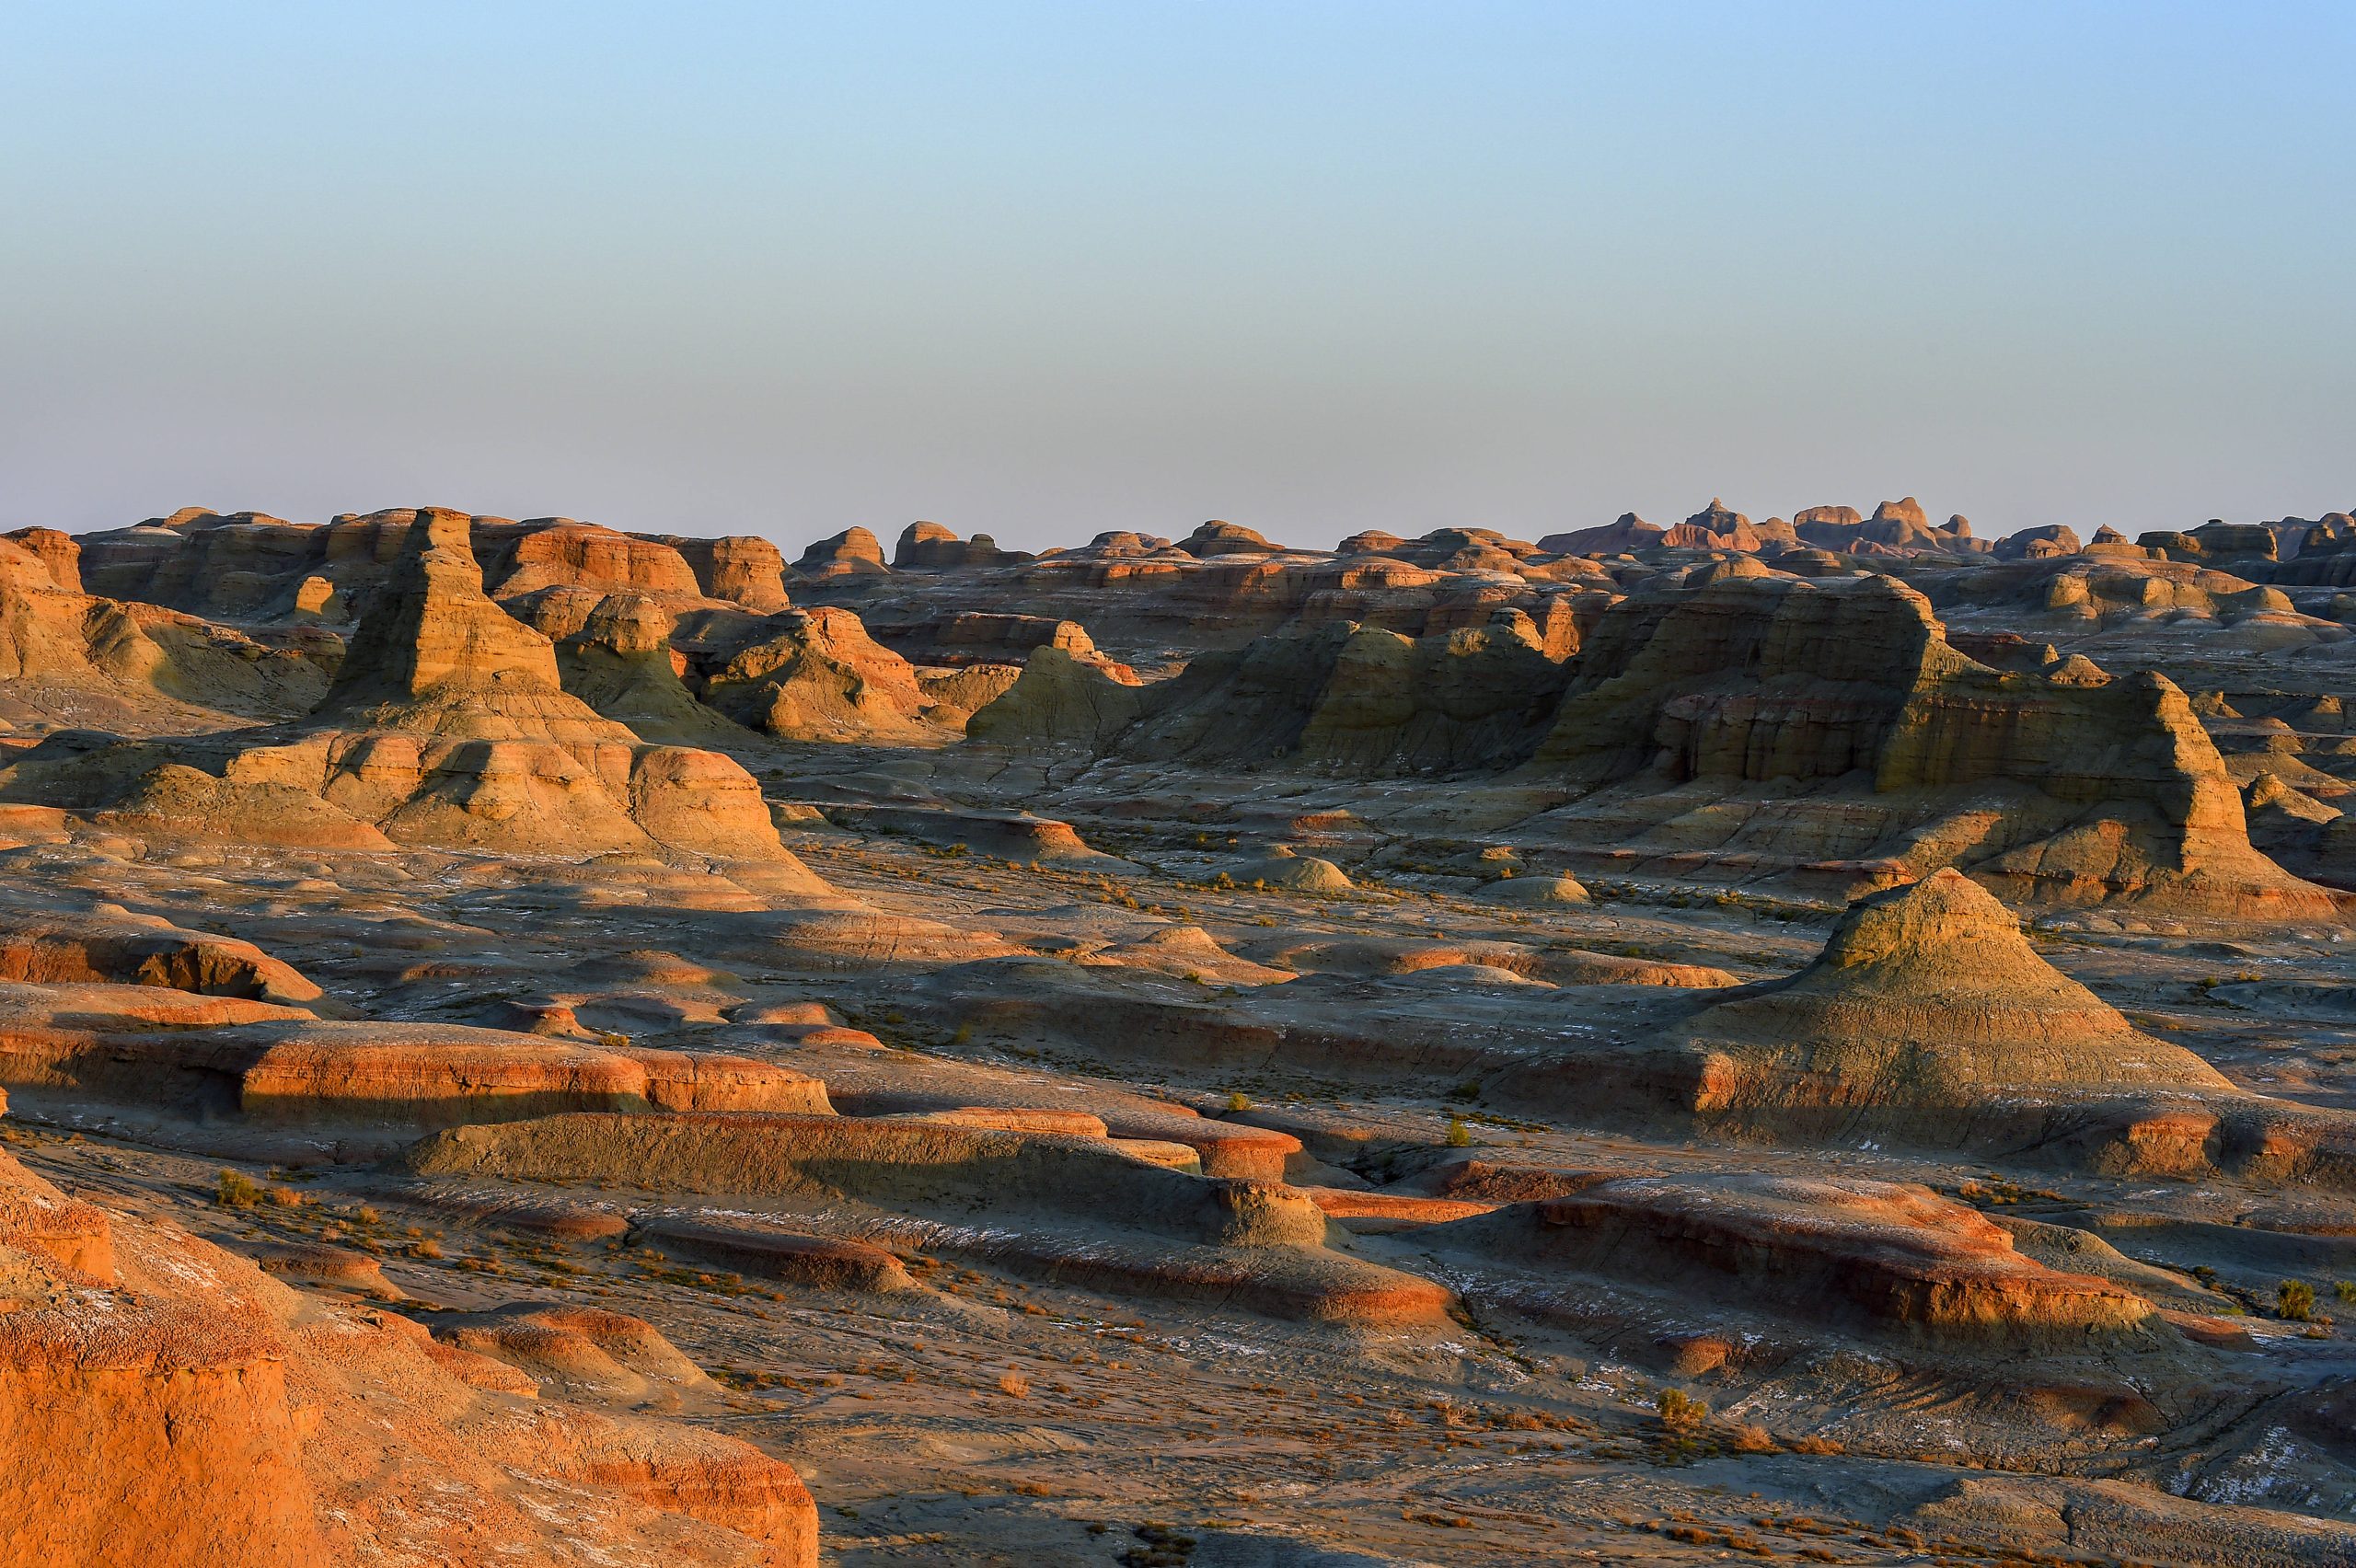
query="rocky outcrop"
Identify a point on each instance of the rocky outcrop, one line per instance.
(2246, 550)
(558, 552)
(818, 676)
(48, 949)
(163, 1052)
(852, 553)
(1888, 1256)
(447, 725)
(1833, 735)
(1929, 1021)
(1927, 1003)
(1060, 701)
(1715, 527)
(2037, 544)
(2060, 788)
(928, 546)
(57, 553)
(741, 569)
(1628, 534)
(1899, 525)
(169, 1406)
(1344, 697)
(69, 657)
(1217, 538)
(1106, 1219)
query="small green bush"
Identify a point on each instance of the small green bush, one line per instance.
(237, 1189)
(2295, 1299)
(1459, 1135)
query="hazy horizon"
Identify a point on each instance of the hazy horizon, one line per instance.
(1040, 271)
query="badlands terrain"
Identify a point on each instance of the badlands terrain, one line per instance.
(1825, 1040)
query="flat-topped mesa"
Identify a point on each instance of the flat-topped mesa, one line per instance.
(1927, 1003)
(2059, 787)
(560, 552)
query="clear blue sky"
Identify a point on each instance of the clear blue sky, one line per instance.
(1041, 269)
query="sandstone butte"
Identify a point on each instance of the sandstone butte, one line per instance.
(446, 725)
(515, 1031)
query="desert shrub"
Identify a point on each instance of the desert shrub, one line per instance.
(1239, 1100)
(237, 1189)
(1679, 1411)
(1459, 1135)
(1014, 1385)
(2295, 1299)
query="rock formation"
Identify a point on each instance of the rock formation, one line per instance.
(447, 724)
(1927, 1006)
(167, 1404)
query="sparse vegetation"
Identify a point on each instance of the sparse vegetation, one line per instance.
(2295, 1301)
(1679, 1411)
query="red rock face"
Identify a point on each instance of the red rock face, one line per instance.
(160, 1407)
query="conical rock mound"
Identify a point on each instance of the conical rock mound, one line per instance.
(1926, 998)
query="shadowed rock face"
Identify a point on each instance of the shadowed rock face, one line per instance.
(1344, 697)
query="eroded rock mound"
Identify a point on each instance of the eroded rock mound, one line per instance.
(1927, 1003)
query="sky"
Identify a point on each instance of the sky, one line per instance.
(1043, 269)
